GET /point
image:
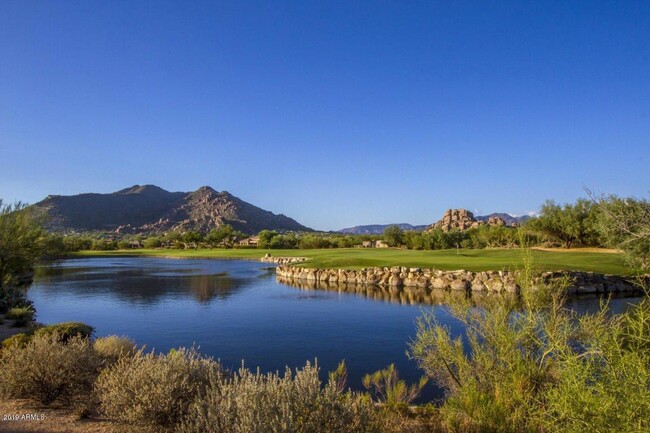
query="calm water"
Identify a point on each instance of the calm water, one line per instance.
(234, 311)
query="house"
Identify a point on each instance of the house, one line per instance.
(374, 244)
(250, 242)
(136, 244)
(381, 244)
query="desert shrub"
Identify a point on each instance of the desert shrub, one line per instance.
(111, 348)
(21, 316)
(19, 340)
(497, 373)
(248, 402)
(534, 365)
(154, 390)
(387, 388)
(46, 370)
(604, 386)
(66, 330)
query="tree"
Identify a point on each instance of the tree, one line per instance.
(570, 223)
(437, 239)
(153, 242)
(221, 235)
(394, 236)
(624, 223)
(192, 237)
(21, 241)
(414, 240)
(266, 236)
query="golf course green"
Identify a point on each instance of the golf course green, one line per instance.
(593, 260)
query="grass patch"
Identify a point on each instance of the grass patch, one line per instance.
(355, 258)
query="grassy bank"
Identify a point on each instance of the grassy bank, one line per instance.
(604, 261)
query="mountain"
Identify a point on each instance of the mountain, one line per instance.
(151, 209)
(509, 219)
(378, 229)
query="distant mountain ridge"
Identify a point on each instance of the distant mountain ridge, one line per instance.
(151, 209)
(509, 219)
(378, 229)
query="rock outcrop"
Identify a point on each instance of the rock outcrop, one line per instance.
(455, 219)
(496, 221)
(462, 219)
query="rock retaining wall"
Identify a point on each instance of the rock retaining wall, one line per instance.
(429, 279)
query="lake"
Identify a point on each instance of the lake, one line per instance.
(235, 310)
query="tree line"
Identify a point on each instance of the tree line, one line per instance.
(588, 222)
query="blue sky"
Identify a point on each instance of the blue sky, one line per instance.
(334, 113)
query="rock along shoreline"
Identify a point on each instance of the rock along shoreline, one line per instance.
(396, 277)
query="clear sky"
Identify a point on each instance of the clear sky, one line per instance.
(336, 113)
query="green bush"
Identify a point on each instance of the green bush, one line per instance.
(250, 402)
(536, 366)
(46, 370)
(605, 386)
(19, 340)
(389, 390)
(111, 348)
(21, 316)
(153, 390)
(66, 330)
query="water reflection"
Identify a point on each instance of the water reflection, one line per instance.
(582, 303)
(146, 285)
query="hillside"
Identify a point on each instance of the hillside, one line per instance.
(378, 229)
(509, 219)
(151, 209)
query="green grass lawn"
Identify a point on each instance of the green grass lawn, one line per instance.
(355, 258)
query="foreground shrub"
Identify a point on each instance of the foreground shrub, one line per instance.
(249, 402)
(387, 388)
(18, 340)
(66, 330)
(111, 348)
(605, 386)
(47, 370)
(538, 366)
(21, 316)
(154, 390)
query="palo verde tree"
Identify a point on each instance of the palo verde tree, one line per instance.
(624, 223)
(394, 236)
(21, 241)
(569, 223)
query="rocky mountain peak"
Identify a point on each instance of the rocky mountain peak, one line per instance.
(142, 189)
(151, 209)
